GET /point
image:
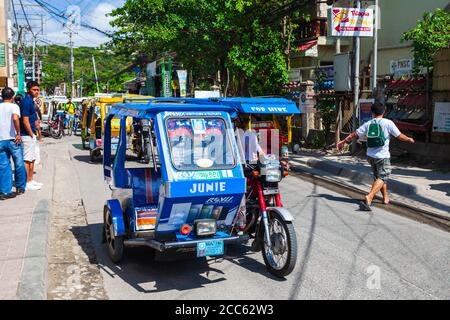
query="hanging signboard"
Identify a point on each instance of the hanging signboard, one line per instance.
(441, 122)
(307, 103)
(2, 55)
(351, 22)
(365, 110)
(401, 67)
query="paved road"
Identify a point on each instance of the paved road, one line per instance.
(343, 253)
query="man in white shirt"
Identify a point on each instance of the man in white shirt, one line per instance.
(378, 157)
(10, 146)
(248, 143)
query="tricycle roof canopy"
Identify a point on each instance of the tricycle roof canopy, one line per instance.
(234, 106)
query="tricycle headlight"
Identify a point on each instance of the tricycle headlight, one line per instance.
(273, 175)
(205, 227)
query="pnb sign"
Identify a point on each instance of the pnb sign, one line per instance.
(349, 22)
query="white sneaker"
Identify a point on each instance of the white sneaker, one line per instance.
(32, 187)
(37, 183)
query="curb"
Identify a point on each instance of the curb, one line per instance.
(33, 280)
(33, 284)
(400, 188)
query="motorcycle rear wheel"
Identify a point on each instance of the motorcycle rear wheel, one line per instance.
(55, 133)
(281, 258)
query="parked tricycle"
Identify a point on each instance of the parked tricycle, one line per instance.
(196, 194)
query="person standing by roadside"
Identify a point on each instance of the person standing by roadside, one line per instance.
(10, 146)
(70, 108)
(28, 132)
(39, 139)
(38, 105)
(378, 132)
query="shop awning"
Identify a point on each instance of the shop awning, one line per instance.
(307, 45)
(412, 100)
(406, 84)
(415, 127)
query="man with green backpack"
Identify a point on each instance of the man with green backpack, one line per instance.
(378, 132)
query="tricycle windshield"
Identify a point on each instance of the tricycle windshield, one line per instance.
(200, 143)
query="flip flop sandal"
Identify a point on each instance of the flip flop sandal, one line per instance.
(366, 206)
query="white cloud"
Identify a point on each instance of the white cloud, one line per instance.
(98, 18)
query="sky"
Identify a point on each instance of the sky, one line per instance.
(92, 12)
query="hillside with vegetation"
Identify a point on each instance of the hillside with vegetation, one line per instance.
(56, 69)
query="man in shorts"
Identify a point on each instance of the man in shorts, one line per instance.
(10, 146)
(28, 132)
(70, 108)
(379, 157)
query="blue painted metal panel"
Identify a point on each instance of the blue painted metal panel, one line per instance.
(219, 235)
(120, 174)
(117, 216)
(107, 147)
(145, 183)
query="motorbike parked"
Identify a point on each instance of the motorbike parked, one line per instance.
(141, 144)
(56, 126)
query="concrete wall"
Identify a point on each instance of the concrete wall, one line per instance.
(397, 17)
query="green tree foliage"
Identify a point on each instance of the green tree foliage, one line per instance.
(245, 39)
(428, 37)
(56, 69)
(326, 104)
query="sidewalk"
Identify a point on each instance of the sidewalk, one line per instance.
(23, 238)
(421, 188)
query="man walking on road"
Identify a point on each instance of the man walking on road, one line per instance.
(10, 146)
(378, 132)
(28, 132)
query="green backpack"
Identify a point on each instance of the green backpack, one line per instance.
(375, 135)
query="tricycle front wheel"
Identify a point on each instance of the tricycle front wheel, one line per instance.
(114, 244)
(281, 257)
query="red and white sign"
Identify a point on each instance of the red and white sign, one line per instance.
(349, 22)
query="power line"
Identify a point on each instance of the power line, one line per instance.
(61, 18)
(52, 10)
(14, 11)
(26, 18)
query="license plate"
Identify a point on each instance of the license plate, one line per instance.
(271, 191)
(114, 143)
(210, 248)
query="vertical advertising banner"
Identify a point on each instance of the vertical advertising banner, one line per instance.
(351, 22)
(150, 74)
(182, 79)
(365, 110)
(166, 75)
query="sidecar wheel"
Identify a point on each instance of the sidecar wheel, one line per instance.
(281, 258)
(114, 244)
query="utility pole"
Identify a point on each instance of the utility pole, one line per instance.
(34, 58)
(356, 83)
(72, 77)
(337, 135)
(375, 48)
(95, 73)
(72, 60)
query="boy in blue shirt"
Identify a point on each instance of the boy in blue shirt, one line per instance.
(28, 132)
